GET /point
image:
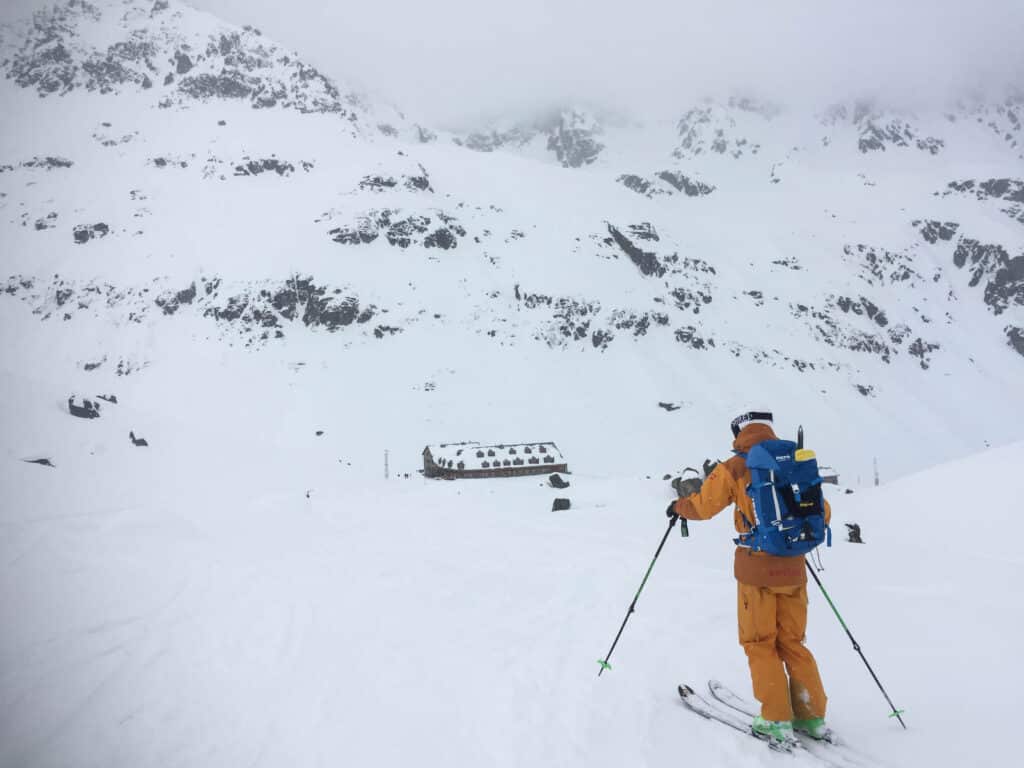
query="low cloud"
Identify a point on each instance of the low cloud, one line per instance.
(451, 61)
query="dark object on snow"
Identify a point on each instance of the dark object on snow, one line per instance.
(853, 533)
(138, 442)
(40, 462)
(665, 477)
(87, 410)
(560, 504)
(319, 432)
(556, 481)
(108, 398)
(848, 491)
(669, 406)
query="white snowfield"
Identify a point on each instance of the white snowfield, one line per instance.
(188, 604)
(244, 591)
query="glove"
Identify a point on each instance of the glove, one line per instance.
(671, 513)
(709, 466)
(689, 486)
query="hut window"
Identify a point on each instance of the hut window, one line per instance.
(490, 453)
(543, 449)
(517, 462)
(549, 459)
(534, 460)
(507, 463)
(462, 465)
(512, 451)
(527, 449)
(458, 452)
(486, 465)
(479, 454)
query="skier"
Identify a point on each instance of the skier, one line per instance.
(772, 595)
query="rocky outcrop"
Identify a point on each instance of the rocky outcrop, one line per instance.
(83, 233)
(1003, 276)
(933, 231)
(665, 183)
(712, 130)
(431, 229)
(255, 312)
(173, 52)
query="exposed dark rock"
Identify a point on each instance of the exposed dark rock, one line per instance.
(922, 350)
(402, 232)
(862, 306)
(637, 184)
(83, 233)
(227, 85)
(574, 143)
(757, 296)
(378, 183)
(668, 406)
(895, 133)
(1011, 190)
(108, 398)
(646, 261)
(138, 442)
(87, 410)
(250, 167)
(705, 129)
(1005, 276)
(1015, 338)
(686, 299)
(933, 231)
(47, 163)
(686, 185)
(853, 533)
(557, 481)
(560, 505)
(674, 182)
(381, 330)
(182, 63)
(48, 222)
(40, 462)
(865, 389)
(689, 336)
(172, 303)
(882, 267)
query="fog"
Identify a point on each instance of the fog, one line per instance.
(449, 61)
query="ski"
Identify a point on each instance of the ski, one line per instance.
(701, 706)
(833, 748)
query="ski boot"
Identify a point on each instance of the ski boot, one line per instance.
(778, 733)
(815, 728)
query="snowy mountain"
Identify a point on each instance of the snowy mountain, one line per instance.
(169, 171)
(282, 287)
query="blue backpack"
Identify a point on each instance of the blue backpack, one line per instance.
(788, 504)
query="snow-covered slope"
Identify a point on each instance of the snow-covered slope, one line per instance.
(245, 591)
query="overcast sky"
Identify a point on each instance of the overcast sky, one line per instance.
(450, 60)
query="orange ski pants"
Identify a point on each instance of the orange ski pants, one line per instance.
(772, 623)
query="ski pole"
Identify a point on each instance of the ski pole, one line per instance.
(632, 606)
(895, 712)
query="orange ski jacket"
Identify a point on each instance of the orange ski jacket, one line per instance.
(727, 484)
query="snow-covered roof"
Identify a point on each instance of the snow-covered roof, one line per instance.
(472, 455)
